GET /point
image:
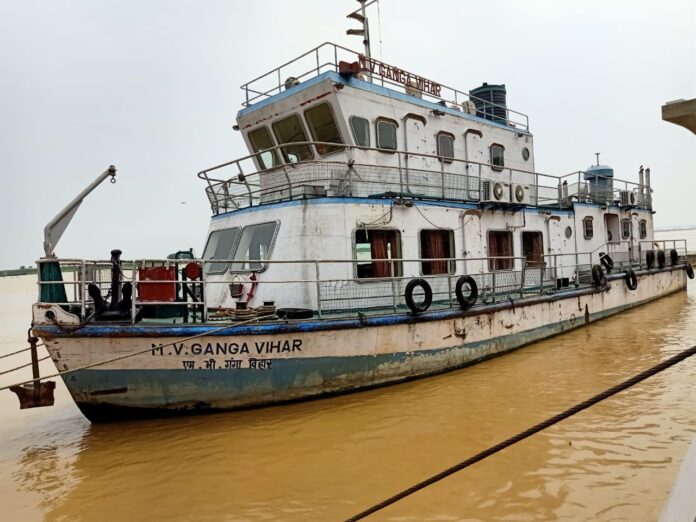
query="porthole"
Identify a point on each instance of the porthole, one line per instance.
(568, 232)
(525, 154)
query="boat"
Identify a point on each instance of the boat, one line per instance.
(382, 227)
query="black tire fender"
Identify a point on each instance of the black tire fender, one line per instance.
(417, 308)
(689, 271)
(294, 313)
(598, 277)
(650, 259)
(470, 300)
(631, 279)
(661, 261)
(607, 262)
(674, 257)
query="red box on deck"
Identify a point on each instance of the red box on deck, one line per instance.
(157, 291)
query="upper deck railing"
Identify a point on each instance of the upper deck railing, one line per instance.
(328, 56)
(350, 173)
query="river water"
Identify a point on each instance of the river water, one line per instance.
(331, 458)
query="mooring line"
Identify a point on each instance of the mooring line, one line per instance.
(528, 432)
(20, 351)
(23, 366)
(125, 356)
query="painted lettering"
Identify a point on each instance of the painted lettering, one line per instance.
(196, 349)
(188, 365)
(297, 345)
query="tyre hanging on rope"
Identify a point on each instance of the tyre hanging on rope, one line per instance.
(607, 262)
(631, 279)
(689, 271)
(650, 259)
(661, 262)
(674, 257)
(418, 308)
(466, 301)
(598, 277)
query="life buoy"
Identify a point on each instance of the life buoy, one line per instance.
(598, 277)
(631, 279)
(466, 301)
(674, 257)
(650, 259)
(417, 308)
(689, 271)
(661, 258)
(606, 261)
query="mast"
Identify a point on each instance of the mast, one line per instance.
(360, 15)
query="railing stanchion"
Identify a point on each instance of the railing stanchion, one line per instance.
(83, 287)
(393, 283)
(204, 281)
(134, 295)
(317, 280)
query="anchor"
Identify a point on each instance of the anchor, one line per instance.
(35, 394)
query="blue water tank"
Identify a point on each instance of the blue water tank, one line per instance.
(600, 179)
(485, 96)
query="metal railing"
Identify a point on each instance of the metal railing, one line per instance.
(349, 173)
(327, 56)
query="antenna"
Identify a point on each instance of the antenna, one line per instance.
(597, 154)
(361, 16)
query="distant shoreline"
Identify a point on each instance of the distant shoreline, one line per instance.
(18, 271)
(675, 229)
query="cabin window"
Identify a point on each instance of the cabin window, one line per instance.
(261, 142)
(255, 244)
(445, 147)
(220, 245)
(497, 156)
(323, 127)
(386, 134)
(377, 244)
(587, 227)
(437, 244)
(500, 247)
(533, 248)
(625, 228)
(643, 225)
(289, 130)
(361, 131)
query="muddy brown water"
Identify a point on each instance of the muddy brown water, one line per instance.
(328, 459)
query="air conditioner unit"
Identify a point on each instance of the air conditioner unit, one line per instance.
(469, 107)
(519, 194)
(495, 191)
(628, 198)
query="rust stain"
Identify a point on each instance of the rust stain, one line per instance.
(587, 314)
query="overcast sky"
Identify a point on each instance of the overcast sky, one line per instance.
(153, 87)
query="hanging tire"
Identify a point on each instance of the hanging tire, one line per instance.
(598, 277)
(661, 262)
(418, 308)
(674, 257)
(650, 259)
(631, 279)
(689, 271)
(607, 262)
(294, 313)
(466, 301)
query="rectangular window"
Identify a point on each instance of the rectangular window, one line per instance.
(437, 244)
(533, 248)
(386, 135)
(643, 229)
(625, 228)
(255, 244)
(323, 127)
(445, 147)
(500, 246)
(497, 156)
(587, 227)
(361, 131)
(290, 130)
(261, 141)
(220, 245)
(377, 244)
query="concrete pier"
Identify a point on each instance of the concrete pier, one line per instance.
(681, 112)
(681, 504)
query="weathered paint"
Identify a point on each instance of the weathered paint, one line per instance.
(310, 363)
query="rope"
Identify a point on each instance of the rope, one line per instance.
(23, 366)
(433, 224)
(528, 432)
(20, 351)
(121, 357)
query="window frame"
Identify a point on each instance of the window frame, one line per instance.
(585, 220)
(339, 145)
(271, 245)
(233, 249)
(490, 156)
(282, 146)
(452, 269)
(522, 254)
(398, 265)
(382, 119)
(442, 157)
(258, 153)
(492, 263)
(352, 129)
(643, 228)
(627, 234)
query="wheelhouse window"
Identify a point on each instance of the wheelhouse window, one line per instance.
(625, 228)
(261, 142)
(643, 226)
(386, 134)
(323, 127)
(437, 244)
(220, 245)
(500, 248)
(373, 249)
(255, 245)
(289, 130)
(497, 156)
(361, 131)
(587, 227)
(533, 248)
(445, 146)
